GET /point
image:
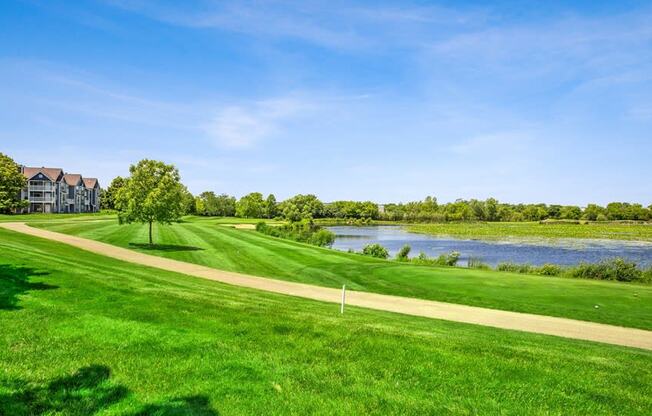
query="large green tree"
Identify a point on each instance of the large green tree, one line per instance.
(251, 206)
(271, 208)
(153, 193)
(188, 202)
(108, 195)
(221, 205)
(12, 182)
(302, 207)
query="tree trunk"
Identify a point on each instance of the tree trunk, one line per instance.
(150, 234)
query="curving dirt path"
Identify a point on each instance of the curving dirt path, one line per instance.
(540, 324)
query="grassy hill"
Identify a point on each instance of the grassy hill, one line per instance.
(81, 333)
(203, 241)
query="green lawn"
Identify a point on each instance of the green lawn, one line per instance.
(82, 334)
(498, 230)
(56, 217)
(204, 242)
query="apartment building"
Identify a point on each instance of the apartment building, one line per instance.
(51, 190)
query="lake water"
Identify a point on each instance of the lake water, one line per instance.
(532, 251)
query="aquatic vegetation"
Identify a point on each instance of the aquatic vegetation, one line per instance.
(549, 230)
(375, 250)
(616, 269)
(549, 270)
(449, 259)
(477, 263)
(403, 253)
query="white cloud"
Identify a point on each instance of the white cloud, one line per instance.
(242, 126)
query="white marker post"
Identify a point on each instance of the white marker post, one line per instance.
(343, 298)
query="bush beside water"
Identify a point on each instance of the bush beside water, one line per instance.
(614, 269)
(617, 269)
(449, 259)
(303, 231)
(477, 263)
(375, 250)
(403, 253)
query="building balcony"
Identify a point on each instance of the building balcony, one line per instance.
(42, 188)
(43, 199)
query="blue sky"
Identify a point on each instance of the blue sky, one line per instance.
(388, 101)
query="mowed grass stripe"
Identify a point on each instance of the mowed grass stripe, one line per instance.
(252, 253)
(167, 340)
(246, 254)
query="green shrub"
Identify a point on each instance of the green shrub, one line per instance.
(375, 250)
(477, 263)
(525, 269)
(403, 253)
(614, 269)
(422, 259)
(516, 268)
(304, 231)
(322, 238)
(508, 267)
(646, 276)
(449, 259)
(549, 270)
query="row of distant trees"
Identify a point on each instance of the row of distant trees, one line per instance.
(429, 210)
(256, 205)
(297, 208)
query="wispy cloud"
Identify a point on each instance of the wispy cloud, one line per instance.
(339, 25)
(48, 87)
(562, 45)
(244, 125)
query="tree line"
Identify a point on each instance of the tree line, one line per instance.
(300, 207)
(429, 210)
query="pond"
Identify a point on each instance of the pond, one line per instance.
(531, 251)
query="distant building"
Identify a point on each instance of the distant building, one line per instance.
(51, 190)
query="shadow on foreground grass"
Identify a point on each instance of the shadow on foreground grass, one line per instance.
(164, 247)
(88, 391)
(14, 281)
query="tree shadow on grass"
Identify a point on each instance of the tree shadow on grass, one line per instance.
(14, 281)
(88, 391)
(192, 405)
(84, 393)
(164, 247)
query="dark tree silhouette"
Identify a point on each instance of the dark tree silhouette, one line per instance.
(14, 281)
(85, 392)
